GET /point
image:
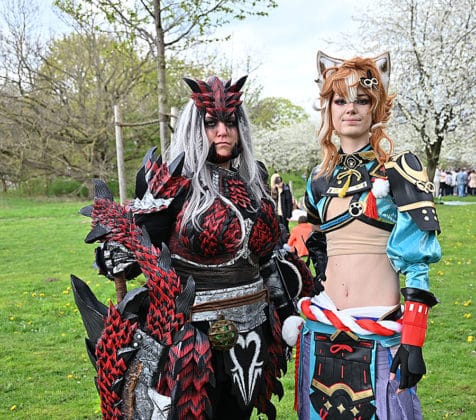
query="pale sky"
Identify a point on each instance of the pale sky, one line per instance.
(286, 43)
(283, 46)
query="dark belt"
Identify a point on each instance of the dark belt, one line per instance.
(210, 278)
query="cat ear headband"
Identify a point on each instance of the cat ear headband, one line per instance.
(382, 63)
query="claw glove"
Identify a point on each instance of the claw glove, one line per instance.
(113, 258)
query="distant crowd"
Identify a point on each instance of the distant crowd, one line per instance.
(457, 182)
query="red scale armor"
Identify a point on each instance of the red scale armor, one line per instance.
(265, 231)
(118, 333)
(219, 238)
(238, 194)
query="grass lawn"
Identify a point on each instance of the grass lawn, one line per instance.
(46, 374)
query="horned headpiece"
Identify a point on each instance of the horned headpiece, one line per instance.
(219, 99)
(382, 63)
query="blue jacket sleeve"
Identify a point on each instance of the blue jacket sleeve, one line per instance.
(411, 250)
(311, 201)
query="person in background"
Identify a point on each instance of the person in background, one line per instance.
(451, 182)
(272, 181)
(443, 185)
(461, 182)
(360, 356)
(203, 230)
(472, 182)
(298, 237)
(284, 202)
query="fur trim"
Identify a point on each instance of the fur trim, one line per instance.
(291, 328)
(380, 188)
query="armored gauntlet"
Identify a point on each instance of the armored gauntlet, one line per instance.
(113, 258)
(409, 356)
(278, 291)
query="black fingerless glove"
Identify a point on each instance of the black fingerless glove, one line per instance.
(412, 365)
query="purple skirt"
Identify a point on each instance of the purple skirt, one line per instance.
(389, 405)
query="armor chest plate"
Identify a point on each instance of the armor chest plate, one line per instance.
(233, 226)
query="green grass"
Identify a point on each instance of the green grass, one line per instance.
(45, 372)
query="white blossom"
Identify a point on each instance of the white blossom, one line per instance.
(288, 148)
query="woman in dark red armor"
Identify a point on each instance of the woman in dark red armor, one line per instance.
(225, 227)
(210, 207)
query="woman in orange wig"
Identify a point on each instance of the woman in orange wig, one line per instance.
(360, 349)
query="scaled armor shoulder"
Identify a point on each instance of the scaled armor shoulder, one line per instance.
(412, 190)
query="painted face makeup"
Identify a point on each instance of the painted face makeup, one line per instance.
(222, 138)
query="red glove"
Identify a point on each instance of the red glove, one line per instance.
(409, 356)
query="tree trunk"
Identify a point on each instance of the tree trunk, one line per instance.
(89, 184)
(161, 82)
(432, 152)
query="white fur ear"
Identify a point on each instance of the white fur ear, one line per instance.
(290, 329)
(325, 61)
(383, 64)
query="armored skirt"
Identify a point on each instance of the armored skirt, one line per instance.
(233, 310)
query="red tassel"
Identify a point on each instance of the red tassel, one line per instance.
(296, 372)
(371, 208)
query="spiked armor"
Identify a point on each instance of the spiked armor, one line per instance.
(152, 351)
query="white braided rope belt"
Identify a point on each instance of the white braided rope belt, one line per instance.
(363, 321)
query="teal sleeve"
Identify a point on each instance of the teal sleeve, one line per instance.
(309, 195)
(311, 203)
(412, 250)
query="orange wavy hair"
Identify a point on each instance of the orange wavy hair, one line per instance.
(344, 80)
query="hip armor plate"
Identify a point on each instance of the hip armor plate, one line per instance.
(341, 386)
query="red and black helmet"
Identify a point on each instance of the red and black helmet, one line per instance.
(219, 99)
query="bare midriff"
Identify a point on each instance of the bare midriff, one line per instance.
(358, 280)
(358, 271)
